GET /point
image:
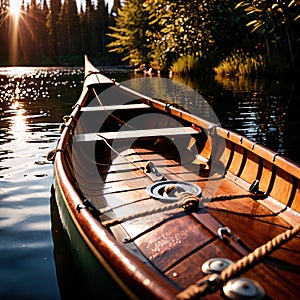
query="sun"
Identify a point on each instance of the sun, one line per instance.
(14, 7)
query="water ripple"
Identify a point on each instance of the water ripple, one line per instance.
(30, 114)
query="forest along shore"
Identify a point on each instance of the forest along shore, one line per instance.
(252, 38)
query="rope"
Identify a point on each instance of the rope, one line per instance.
(111, 114)
(92, 73)
(259, 253)
(121, 155)
(100, 102)
(211, 283)
(186, 201)
(52, 153)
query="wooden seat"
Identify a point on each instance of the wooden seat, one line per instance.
(115, 107)
(174, 131)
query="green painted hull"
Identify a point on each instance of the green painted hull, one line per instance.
(93, 277)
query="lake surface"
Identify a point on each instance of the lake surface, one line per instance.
(32, 104)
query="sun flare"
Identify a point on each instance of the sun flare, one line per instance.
(14, 7)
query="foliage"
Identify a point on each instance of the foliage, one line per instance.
(274, 21)
(270, 16)
(174, 31)
(182, 30)
(184, 36)
(188, 35)
(129, 33)
(184, 65)
(240, 63)
(162, 31)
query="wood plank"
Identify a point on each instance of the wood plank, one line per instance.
(178, 237)
(253, 224)
(265, 179)
(266, 275)
(296, 201)
(114, 107)
(250, 170)
(126, 134)
(237, 160)
(282, 186)
(189, 271)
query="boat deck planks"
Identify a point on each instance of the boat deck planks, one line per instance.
(241, 213)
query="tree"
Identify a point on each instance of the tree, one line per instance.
(129, 33)
(44, 44)
(50, 29)
(101, 25)
(28, 32)
(274, 21)
(69, 24)
(181, 28)
(53, 26)
(88, 32)
(202, 33)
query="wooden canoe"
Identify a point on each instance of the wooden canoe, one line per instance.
(172, 206)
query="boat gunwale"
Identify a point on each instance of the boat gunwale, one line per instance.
(265, 153)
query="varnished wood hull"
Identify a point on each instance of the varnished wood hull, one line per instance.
(157, 255)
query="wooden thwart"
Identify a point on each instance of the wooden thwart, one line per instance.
(115, 107)
(174, 131)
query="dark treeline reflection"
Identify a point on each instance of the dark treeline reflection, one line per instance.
(264, 110)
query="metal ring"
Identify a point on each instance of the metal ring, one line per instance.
(158, 189)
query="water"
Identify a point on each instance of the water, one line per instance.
(32, 104)
(265, 111)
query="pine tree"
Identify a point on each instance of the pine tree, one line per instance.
(130, 32)
(75, 28)
(69, 24)
(88, 38)
(44, 39)
(53, 25)
(100, 24)
(28, 34)
(23, 33)
(83, 29)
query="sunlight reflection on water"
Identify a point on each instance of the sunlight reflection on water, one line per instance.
(31, 108)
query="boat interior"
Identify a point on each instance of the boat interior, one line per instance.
(132, 160)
